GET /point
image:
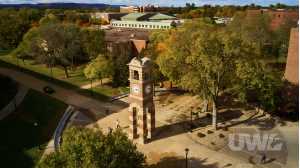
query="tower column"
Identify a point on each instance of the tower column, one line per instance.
(142, 111)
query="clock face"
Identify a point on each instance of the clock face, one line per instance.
(135, 89)
(148, 89)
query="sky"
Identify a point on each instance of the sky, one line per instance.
(160, 2)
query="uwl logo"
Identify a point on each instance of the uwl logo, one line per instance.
(252, 142)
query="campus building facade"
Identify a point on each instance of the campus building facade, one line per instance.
(146, 21)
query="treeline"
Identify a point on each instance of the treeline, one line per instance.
(62, 41)
(192, 11)
(14, 23)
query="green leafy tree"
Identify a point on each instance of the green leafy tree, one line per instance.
(14, 24)
(207, 64)
(93, 42)
(83, 147)
(98, 68)
(60, 45)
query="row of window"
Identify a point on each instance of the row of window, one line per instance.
(140, 26)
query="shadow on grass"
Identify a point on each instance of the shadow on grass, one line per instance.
(25, 133)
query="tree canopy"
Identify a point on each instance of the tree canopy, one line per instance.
(14, 24)
(205, 58)
(83, 147)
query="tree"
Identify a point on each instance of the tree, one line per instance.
(61, 45)
(255, 29)
(26, 49)
(93, 42)
(281, 37)
(84, 147)
(14, 24)
(258, 84)
(205, 65)
(98, 68)
(120, 55)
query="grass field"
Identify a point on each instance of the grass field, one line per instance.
(22, 142)
(76, 78)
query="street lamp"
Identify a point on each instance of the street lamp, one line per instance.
(186, 157)
(191, 123)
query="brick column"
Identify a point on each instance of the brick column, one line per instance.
(133, 125)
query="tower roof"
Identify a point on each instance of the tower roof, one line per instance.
(145, 61)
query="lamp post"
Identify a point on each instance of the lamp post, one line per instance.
(191, 122)
(186, 157)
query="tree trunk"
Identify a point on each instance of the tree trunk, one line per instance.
(101, 81)
(205, 106)
(66, 72)
(214, 116)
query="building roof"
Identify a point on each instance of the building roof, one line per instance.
(135, 16)
(160, 16)
(115, 35)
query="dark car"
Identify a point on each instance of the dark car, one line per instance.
(48, 90)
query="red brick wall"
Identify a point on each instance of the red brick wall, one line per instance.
(277, 17)
(292, 66)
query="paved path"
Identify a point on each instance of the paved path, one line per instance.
(291, 137)
(94, 84)
(66, 95)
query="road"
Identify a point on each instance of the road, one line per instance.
(68, 96)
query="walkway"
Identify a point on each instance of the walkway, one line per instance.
(98, 108)
(94, 84)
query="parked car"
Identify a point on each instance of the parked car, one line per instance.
(48, 90)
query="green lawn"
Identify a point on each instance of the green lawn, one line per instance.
(108, 90)
(76, 78)
(22, 143)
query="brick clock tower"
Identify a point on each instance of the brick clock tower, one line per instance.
(141, 109)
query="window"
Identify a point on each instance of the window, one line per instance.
(150, 26)
(146, 26)
(136, 75)
(279, 16)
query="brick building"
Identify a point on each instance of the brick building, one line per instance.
(292, 66)
(278, 17)
(136, 40)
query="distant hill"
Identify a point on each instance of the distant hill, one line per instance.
(58, 5)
